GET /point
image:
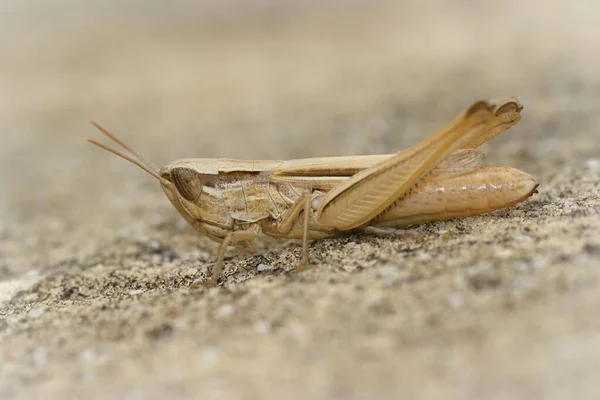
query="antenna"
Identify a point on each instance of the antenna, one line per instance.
(138, 160)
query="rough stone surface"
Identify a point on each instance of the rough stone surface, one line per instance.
(95, 265)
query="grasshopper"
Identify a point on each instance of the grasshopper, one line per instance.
(441, 177)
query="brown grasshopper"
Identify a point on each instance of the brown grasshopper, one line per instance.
(441, 177)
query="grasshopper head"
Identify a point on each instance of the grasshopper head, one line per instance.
(186, 178)
(184, 181)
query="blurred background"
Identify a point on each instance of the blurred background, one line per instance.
(263, 80)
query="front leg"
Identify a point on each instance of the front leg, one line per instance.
(289, 222)
(233, 237)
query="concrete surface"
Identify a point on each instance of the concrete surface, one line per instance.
(95, 265)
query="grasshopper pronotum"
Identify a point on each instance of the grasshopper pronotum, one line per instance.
(438, 178)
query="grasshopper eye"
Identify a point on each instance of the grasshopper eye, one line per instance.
(187, 182)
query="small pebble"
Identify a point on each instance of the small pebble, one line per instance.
(153, 244)
(482, 266)
(88, 355)
(263, 267)
(371, 263)
(196, 281)
(91, 355)
(156, 219)
(297, 331)
(191, 271)
(374, 299)
(391, 275)
(211, 354)
(501, 252)
(40, 356)
(32, 273)
(136, 292)
(524, 238)
(522, 266)
(36, 312)
(263, 327)
(224, 311)
(357, 253)
(593, 164)
(422, 256)
(456, 300)
(349, 267)
(540, 263)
